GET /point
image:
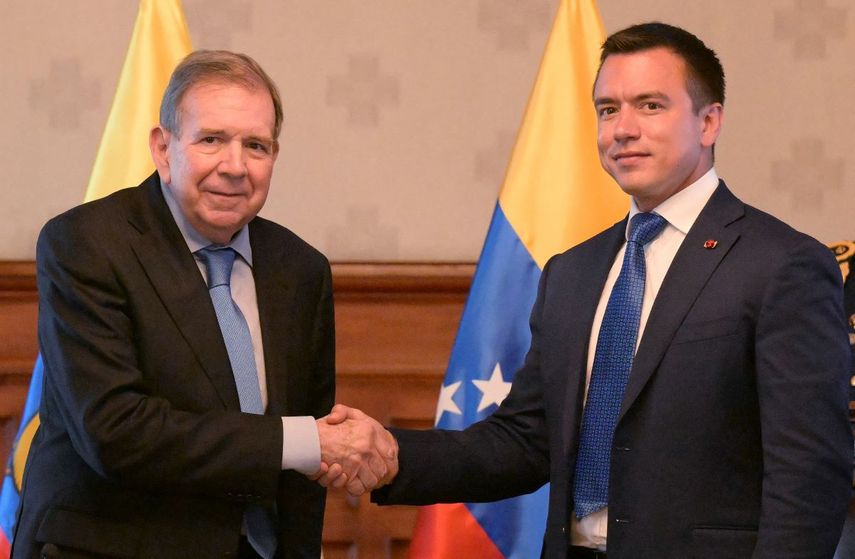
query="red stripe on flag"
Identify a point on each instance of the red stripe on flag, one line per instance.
(5, 548)
(450, 532)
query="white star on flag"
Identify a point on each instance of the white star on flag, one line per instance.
(445, 402)
(495, 390)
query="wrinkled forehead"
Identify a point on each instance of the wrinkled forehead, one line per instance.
(209, 87)
(217, 84)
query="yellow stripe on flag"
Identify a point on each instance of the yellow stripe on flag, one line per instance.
(21, 449)
(555, 193)
(159, 41)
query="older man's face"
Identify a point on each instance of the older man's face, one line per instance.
(218, 166)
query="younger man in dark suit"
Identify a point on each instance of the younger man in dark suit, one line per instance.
(685, 392)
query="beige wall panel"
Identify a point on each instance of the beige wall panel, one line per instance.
(401, 114)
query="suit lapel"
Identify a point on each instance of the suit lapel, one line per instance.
(275, 290)
(174, 275)
(689, 272)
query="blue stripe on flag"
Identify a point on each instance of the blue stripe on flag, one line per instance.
(11, 495)
(515, 525)
(494, 327)
(494, 331)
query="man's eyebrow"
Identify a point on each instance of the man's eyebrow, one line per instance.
(221, 132)
(262, 139)
(644, 96)
(647, 95)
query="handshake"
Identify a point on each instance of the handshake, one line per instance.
(357, 453)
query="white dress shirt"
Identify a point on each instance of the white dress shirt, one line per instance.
(299, 433)
(680, 211)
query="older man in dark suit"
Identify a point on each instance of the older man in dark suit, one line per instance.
(685, 392)
(188, 348)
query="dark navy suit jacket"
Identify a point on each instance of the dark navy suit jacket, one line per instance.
(733, 439)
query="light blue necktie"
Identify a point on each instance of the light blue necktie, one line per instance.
(610, 372)
(219, 262)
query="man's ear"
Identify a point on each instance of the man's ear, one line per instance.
(713, 116)
(158, 143)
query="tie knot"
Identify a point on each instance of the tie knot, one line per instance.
(219, 262)
(644, 227)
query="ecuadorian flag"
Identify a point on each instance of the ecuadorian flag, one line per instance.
(159, 41)
(555, 195)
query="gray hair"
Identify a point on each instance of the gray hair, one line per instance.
(215, 66)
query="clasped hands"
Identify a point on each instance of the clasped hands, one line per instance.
(357, 453)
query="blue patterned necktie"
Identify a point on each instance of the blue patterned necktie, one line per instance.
(610, 372)
(219, 261)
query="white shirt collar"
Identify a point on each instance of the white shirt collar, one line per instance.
(683, 208)
(195, 240)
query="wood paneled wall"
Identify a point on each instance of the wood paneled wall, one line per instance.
(18, 347)
(395, 324)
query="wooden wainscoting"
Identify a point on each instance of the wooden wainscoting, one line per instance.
(395, 324)
(18, 348)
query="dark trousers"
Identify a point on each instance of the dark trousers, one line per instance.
(576, 552)
(246, 551)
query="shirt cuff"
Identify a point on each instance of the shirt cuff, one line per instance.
(301, 446)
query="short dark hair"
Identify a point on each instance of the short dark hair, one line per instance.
(704, 73)
(215, 66)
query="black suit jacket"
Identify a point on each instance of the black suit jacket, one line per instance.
(733, 439)
(849, 309)
(142, 450)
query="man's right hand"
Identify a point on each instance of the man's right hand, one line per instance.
(356, 451)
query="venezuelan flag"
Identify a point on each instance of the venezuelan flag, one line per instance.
(554, 196)
(159, 41)
(14, 477)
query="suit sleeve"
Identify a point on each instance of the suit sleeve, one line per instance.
(323, 347)
(97, 395)
(300, 451)
(301, 502)
(502, 456)
(802, 359)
